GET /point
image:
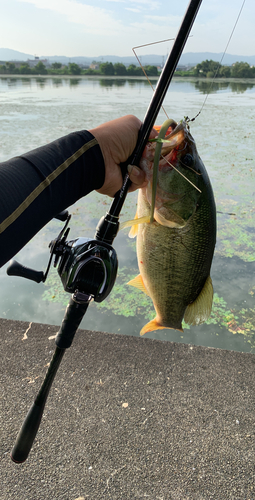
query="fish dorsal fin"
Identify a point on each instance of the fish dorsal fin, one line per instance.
(199, 311)
(137, 282)
(155, 325)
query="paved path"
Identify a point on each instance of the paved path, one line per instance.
(127, 418)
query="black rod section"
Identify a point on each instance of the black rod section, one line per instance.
(24, 442)
(30, 426)
(157, 98)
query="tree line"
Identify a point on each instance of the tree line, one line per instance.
(213, 69)
(206, 69)
(107, 69)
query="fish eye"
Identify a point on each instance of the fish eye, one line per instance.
(188, 160)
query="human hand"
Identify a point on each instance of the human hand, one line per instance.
(117, 140)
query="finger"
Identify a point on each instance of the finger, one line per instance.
(136, 175)
(134, 187)
(153, 133)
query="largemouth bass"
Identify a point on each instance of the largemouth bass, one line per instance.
(175, 245)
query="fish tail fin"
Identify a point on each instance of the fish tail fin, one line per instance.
(155, 325)
(199, 311)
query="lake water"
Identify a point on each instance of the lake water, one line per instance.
(34, 111)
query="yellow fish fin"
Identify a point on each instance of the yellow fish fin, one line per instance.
(199, 311)
(155, 325)
(134, 222)
(137, 282)
(134, 229)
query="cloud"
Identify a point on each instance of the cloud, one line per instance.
(113, 26)
(105, 22)
(132, 10)
(94, 19)
(174, 21)
(148, 4)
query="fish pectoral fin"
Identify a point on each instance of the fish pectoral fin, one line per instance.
(199, 311)
(155, 325)
(167, 217)
(133, 232)
(137, 282)
(134, 224)
(134, 229)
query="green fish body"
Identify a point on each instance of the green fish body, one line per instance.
(175, 251)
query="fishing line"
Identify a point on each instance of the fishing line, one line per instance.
(141, 66)
(186, 178)
(219, 64)
(187, 119)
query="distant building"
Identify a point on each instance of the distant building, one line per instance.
(184, 67)
(33, 62)
(94, 66)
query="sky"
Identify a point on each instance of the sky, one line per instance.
(112, 27)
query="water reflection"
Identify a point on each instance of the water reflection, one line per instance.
(241, 87)
(209, 87)
(12, 82)
(74, 82)
(26, 82)
(212, 87)
(57, 82)
(137, 82)
(202, 86)
(116, 82)
(41, 82)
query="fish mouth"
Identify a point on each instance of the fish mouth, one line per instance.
(174, 139)
(171, 127)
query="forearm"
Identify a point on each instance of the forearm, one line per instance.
(36, 186)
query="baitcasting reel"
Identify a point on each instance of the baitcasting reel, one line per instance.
(87, 267)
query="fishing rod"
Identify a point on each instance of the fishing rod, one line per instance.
(108, 225)
(88, 267)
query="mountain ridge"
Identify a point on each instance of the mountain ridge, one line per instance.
(187, 59)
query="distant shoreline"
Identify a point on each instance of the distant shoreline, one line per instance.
(100, 77)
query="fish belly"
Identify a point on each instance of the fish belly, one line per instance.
(174, 265)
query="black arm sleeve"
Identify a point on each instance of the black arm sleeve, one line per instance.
(37, 186)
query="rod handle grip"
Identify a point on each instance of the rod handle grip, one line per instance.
(27, 433)
(73, 317)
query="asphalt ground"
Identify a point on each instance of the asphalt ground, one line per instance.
(127, 418)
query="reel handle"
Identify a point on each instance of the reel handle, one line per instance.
(17, 269)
